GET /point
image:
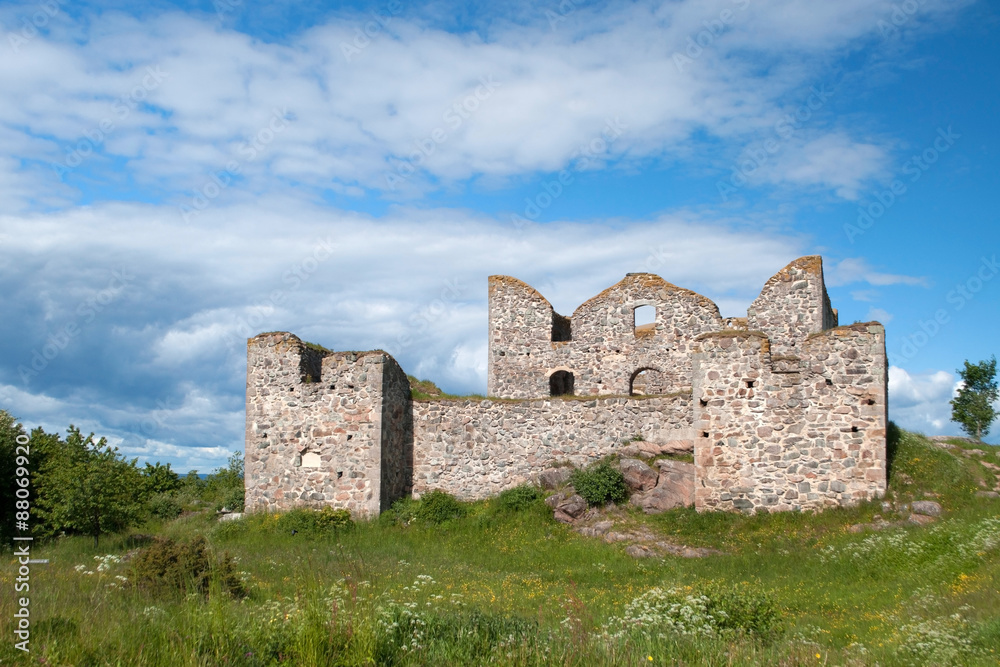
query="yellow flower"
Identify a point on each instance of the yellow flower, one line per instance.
(651, 658)
(818, 655)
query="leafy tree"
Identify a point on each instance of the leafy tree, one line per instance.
(225, 485)
(159, 478)
(40, 446)
(973, 407)
(89, 487)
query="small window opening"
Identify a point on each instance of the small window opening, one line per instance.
(704, 403)
(561, 383)
(349, 436)
(870, 401)
(854, 429)
(561, 328)
(704, 434)
(311, 460)
(829, 382)
(340, 473)
(645, 320)
(749, 384)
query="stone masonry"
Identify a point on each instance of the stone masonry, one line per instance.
(784, 410)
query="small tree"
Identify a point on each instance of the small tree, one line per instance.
(89, 487)
(973, 407)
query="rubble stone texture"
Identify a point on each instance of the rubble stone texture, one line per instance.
(784, 409)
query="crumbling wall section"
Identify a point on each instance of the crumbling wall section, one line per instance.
(779, 432)
(475, 449)
(313, 439)
(793, 304)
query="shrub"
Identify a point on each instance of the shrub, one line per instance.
(324, 520)
(167, 567)
(438, 507)
(600, 484)
(163, 506)
(517, 499)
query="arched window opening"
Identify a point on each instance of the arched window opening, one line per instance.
(561, 383)
(644, 381)
(645, 320)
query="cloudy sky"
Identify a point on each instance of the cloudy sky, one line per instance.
(177, 177)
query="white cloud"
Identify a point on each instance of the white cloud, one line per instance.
(855, 270)
(179, 97)
(919, 401)
(879, 315)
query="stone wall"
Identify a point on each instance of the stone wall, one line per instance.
(779, 432)
(475, 449)
(793, 304)
(606, 350)
(319, 431)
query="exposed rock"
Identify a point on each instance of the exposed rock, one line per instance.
(926, 507)
(597, 530)
(638, 476)
(987, 494)
(639, 551)
(650, 449)
(556, 498)
(674, 488)
(232, 516)
(553, 478)
(921, 519)
(688, 552)
(571, 508)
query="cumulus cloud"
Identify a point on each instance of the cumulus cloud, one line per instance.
(855, 269)
(919, 401)
(181, 98)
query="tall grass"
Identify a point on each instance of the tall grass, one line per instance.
(502, 583)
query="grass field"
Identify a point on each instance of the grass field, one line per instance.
(515, 587)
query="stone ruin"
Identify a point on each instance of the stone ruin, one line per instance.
(782, 409)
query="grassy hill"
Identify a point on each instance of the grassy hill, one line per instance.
(505, 584)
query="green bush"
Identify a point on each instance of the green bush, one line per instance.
(438, 507)
(748, 609)
(517, 499)
(167, 567)
(324, 520)
(600, 484)
(164, 506)
(435, 507)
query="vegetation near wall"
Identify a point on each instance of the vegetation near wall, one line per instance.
(436, 581)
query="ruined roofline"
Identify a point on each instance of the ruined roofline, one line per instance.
(495, 280)
(291, 339)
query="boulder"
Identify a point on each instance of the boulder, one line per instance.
(926, 507)
(921, 519)
(569, 509)
(639, 551)
(987, 494)
(553, 478)
(650, 449)
(638, 476)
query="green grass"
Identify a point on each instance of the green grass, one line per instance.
(505, 584)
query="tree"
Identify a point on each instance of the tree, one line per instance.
(159, 478)
(39, 446)
(225, 485)
(973, 407)
(89, 487)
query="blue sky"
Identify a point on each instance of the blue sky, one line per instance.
(177, 177)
